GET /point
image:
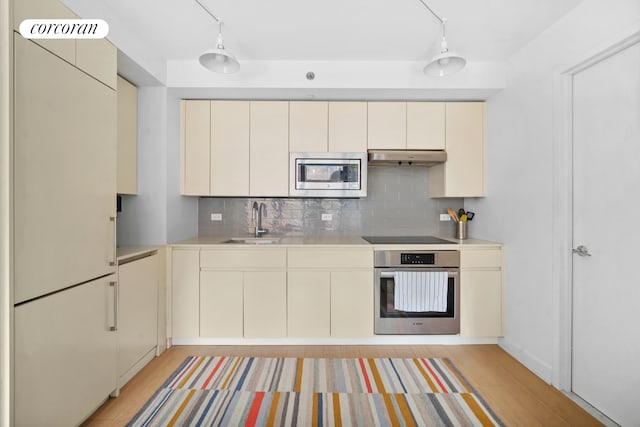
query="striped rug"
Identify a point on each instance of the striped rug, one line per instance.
(252, 391)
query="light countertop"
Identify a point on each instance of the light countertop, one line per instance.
(124, 253)
(331, 241)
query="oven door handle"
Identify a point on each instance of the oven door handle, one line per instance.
(387, 275)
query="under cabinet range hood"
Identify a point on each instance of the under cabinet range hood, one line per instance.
(407, 157)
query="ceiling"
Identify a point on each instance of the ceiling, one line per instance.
(331, 30)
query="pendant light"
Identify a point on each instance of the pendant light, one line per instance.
(446, 62)
(218, 59)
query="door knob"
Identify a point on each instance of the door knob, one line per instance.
(582, 251)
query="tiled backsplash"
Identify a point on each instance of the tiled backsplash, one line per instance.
(396, 204)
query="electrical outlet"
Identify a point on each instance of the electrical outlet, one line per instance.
(445, 217)
(216, 217)
(327, 217)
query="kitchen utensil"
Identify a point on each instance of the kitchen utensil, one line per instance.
(460, 212)
(453, 215)
(470, 215)
(463, 218)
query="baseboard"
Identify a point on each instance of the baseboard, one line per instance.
(377, 340)
(148, 357)
(534, 364)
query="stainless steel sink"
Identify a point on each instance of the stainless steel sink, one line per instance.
(253, 240)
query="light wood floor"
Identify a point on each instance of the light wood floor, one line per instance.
(517, 396)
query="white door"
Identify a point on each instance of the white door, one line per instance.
(606, 201)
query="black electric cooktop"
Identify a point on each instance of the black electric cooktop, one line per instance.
(405, 240)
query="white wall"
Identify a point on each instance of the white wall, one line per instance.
(518, 208)
(158, 214)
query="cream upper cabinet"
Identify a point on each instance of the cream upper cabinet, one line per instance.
(46, 9)
(308, 122)
(463, 174)
(229, 148)
(387, 125)
(481, 293)
(347, 127)
(127, 180)
(425, 125)
(64, 173)
(269, 149)
(99, 58)
(195, 147)
(318, 126)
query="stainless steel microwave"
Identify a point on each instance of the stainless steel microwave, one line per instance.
(328, 175)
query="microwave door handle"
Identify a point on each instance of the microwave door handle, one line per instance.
(387, 275)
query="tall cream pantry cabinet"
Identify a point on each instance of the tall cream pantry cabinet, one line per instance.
(65, 289)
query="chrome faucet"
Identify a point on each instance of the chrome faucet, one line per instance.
(258, 211)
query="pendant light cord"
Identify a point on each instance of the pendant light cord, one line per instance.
(442, 21)
(218, 20)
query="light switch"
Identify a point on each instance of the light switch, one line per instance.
(327, 217)
(445, 217)
(216, 217)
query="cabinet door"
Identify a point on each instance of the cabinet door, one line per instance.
(138, 311)
(230, 148)
(221, 304)
(185, 293)
(65, 355)
(387, 125)
(347, 127)
(425, 125)
(196, 145)
(308, 126)
(65, 173)
(46, 9)
(481, 303)
(265, 304)
(127, 138)
(463, 174)
(351, 303)
(269, 148)
(99, 58)
(308, 303)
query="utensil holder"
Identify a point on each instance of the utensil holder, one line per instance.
(461, 230)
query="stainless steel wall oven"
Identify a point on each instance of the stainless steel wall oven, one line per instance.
(412, 312)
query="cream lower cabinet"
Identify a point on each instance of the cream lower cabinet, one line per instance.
(265, 304)
(138, 284)
(221, 303)
(243, 292)
(330, 292)
(352, 303)
(185, 292)
(309, 303)
(481, 293)
(65, 355)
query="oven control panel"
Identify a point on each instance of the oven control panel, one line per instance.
(417, 258)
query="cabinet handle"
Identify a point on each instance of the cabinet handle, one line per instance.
(115, 243)
(115, 287)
